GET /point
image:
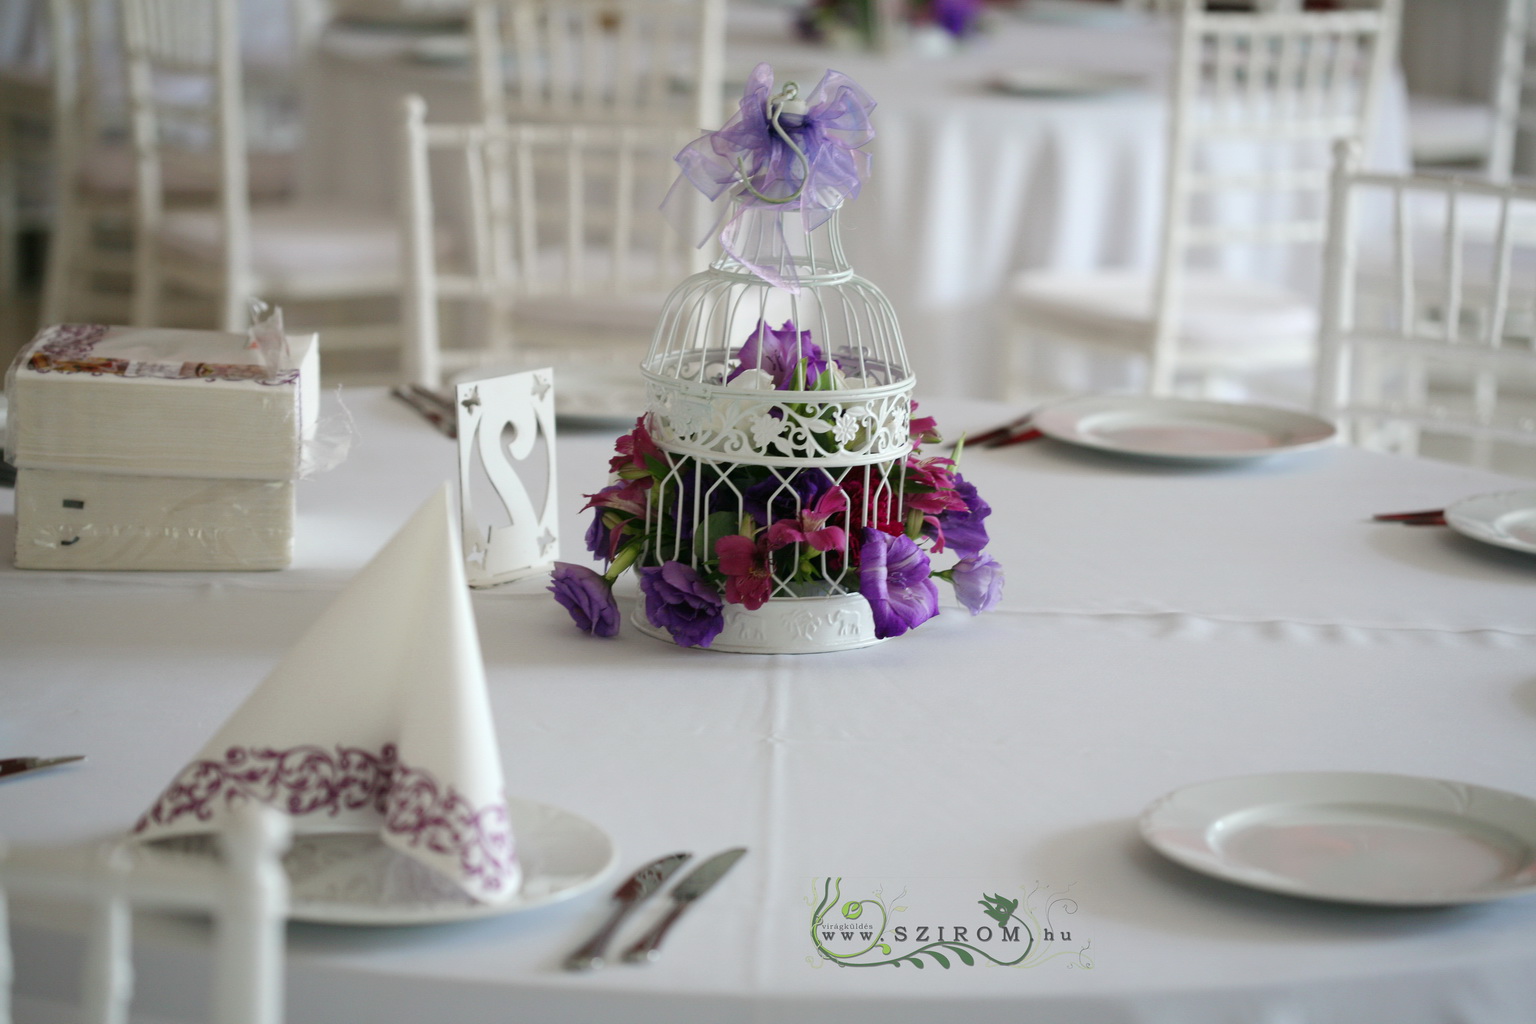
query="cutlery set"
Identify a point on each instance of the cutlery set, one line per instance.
(18, 765)
(1013, 432)
(433, 407)
(639, 887)
(1427, 517)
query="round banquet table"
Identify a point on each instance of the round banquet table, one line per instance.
(969, 185)
(1162, 625)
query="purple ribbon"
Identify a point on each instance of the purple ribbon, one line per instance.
(778, 152)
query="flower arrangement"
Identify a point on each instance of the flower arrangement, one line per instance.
(860, 20)
(775, 496)
(745, 533)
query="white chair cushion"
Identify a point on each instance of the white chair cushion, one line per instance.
(296, 247)
(1444, 130)
(1221, 315)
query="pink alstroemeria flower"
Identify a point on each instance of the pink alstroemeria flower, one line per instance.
(744, 564)
(931, 486)
(810, 526)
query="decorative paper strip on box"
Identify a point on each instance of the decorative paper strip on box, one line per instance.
(73, 520)
(376, 721)
(160, 402)
(147, 448)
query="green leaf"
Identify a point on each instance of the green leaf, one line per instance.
(965, 957)
(715, 526)
(943, 960)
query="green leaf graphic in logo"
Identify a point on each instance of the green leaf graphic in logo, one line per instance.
(998, 908)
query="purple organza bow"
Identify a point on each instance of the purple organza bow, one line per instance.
(808, 158)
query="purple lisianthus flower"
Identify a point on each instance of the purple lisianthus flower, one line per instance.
(894, 579)
(587, 596)
(965, 531)
(599, 538)
(777, 352)
(978, 582)
(677, 600)
(773, 498)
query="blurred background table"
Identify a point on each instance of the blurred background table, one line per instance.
(971, 183)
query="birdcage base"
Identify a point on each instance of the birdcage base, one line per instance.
(806, 625)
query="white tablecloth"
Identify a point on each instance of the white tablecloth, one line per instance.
(969, 186)
(1161, 626)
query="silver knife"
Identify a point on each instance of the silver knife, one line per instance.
(17, 765)
(625, 898)
(684, 895)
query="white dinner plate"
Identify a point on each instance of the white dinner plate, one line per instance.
(1507, 519)
(599, 397)
(1352, 837)
(1062, 82)
(350, 878)
(1182, 428)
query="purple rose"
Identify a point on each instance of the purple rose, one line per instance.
(777, 352)
(966, 532)
(978, 582)
(893, 577)
(587, 596)
(677, 600)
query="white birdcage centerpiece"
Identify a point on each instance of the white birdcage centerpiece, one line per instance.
(773, 497)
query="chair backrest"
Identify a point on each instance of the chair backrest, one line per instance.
(1511, 79)
(550, 210)
(1256, 99)
(1430, 347)
(74, 34)
(185, 104)
(244, 891)
(601, 60)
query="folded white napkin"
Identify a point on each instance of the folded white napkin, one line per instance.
(159, 402)
(376, 721)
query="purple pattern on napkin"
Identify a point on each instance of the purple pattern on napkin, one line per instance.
(312, 780)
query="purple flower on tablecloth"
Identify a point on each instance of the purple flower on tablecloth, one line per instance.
(978, 582)
(587, 596)
(778, 352)
(965, 530)
(894, 579)
(677, 600)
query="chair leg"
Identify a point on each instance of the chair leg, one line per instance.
(10, 213)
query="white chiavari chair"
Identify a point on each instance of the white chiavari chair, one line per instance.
(628, 61)
(243, 890)
(231, 251)
(1255, 100)
(569, 260)
(1429, 348)
(1480, 133)
(91, 245)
